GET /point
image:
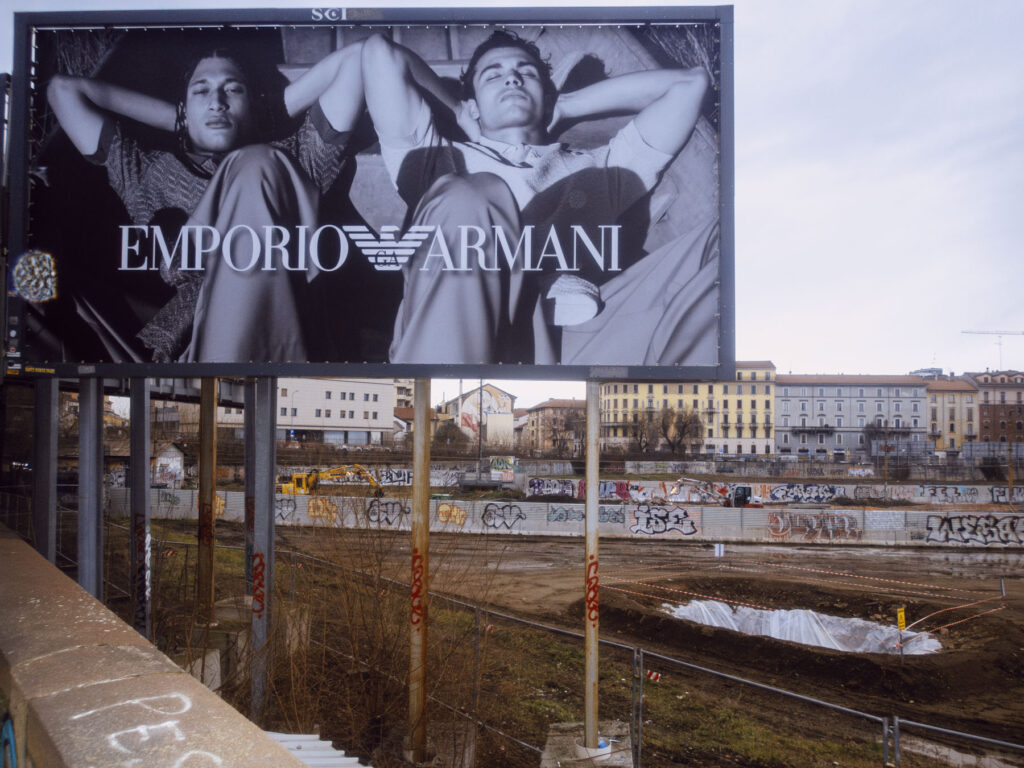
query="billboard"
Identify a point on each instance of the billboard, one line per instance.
(381, 192)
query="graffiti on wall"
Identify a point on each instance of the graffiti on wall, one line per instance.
(656, 521)
(785, 525)
(390, 513)
(805, 492)
(322, 508)
(391, 476)
(1001, 495)
(948, 494)
(502, 515)
(284, 509)
(452, 514)
(549, 486)
(975, 529)
(605, 514)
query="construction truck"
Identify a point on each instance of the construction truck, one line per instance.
(304, 483)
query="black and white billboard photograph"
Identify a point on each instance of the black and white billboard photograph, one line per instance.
(535, 193)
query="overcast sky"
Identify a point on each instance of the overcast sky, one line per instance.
(879, 182)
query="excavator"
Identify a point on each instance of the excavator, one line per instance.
(304, 483)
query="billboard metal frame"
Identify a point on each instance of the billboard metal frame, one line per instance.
(26, 23)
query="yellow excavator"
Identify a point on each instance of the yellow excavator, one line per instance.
(304, 483)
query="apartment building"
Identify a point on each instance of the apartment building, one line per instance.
(840, 416)
(348, 411)
(1001, 405)
(953, 415)
(736, 416)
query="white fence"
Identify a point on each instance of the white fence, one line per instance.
(631, 519)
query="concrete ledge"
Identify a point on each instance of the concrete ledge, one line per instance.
(85, 689)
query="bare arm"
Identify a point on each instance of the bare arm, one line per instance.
(394, 75)
(666, 102)
(336, 81)
(81, 106)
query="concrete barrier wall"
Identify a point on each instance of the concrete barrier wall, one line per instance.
(84, 689)
(622, 518)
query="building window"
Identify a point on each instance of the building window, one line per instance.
(739, 375)
(860, 439)
(351, 414)
(896, 406)
(366, 414)
(739, 404)
(878, 407)
(785, 391)
(696, 389)
(839, 406)
(839, 439)
(803, 405)
(327, 395)
(860, 407)
(375, 398)
(295, 411)
(821, 391)
(821, 405)
(318, 413)
(767, 389)
(860, 421)
(785, 406)
(711, 433)
(284, 411)
(839, 421)
(725, 389)
(374, 415)
(753, 389)
(327, 413)
(284, 391)
(785, 438)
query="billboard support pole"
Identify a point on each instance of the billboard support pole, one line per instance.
(590, 633)
(249, 430)
(207, 497)
(263, 403)
(420, 581)
(140, 513)
(90, 474)
(44, 469)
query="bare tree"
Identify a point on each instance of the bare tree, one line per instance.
(565, 430)
(644, 430)
(681, 429)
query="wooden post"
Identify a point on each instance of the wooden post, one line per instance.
(590, 630)
(420, 581)
(207, 498)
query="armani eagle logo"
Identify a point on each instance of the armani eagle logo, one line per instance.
(386, 253)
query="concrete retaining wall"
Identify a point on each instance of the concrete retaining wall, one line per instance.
(83, 688)
(621, 518)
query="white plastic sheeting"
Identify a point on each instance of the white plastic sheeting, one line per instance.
(806, 627)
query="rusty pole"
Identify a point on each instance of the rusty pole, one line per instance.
(420, 581)
(590, 635)
(207, 497)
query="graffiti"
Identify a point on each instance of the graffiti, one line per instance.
(548, 486)
(1001, 495)
(654, 521)
(593, 607)
(389, 513)
(117, 478)
(259, 584)
(565, 514)
(142, 584)
(861, 471)
(949, 494)
(902, 492)
(451, 513)
(416, 588)
(613, 489)
(284, 509)
(502, 463)
(611, 515)
(813, 526)
(152, 736)
(169, 498)
(389, 476)
(868, 492)
(321, 508)
(499, 515)
(975, 529)
(444, 478)
(803, 492)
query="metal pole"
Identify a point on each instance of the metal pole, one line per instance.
(640, 716)
(141, 573)
(420, 582)
(249, 428)
(590, 631)
(90, 474)
(896, 740)
(44, 469)
(207, 497)
(885, 741)
(264, 405)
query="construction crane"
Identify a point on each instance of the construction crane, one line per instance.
(999, 341)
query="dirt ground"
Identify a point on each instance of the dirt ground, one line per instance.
(975, 684)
